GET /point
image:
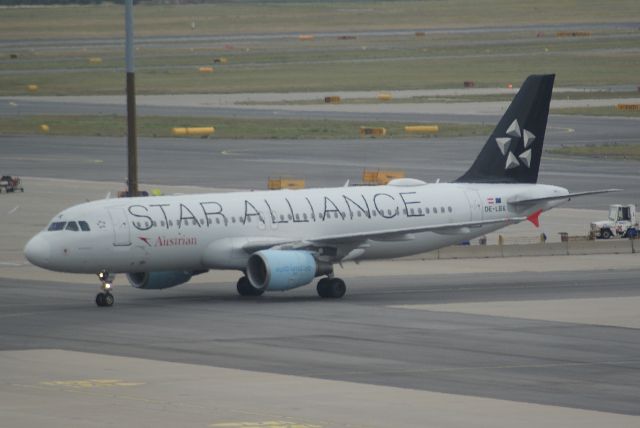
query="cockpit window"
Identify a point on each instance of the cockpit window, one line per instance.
(84, 226)
(56, 225)
(72, 225)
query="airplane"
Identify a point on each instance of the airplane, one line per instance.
(284, 239)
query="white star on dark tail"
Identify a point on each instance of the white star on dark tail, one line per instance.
(514, 129)
(504, 144)
(512, 162)
(525, 157)
(528, 138)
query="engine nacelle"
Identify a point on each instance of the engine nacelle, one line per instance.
(158, 280)
(283, 270)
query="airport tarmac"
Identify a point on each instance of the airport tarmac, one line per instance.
(246, 164)
(452, 343)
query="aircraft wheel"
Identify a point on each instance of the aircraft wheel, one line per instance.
(100, 299)
(245, 288)
(333, 288)
(323, 287)
(606, 234)
(108, 299)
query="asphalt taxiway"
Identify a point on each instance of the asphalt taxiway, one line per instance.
(499, 342)
(246, 164)
(382, 356)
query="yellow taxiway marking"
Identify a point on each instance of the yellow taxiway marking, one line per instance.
(91, 383)
(264, 424)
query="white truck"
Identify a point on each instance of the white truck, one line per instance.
(622, 223)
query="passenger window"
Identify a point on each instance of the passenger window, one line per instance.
(233, 219)
(248, 219)
(162, 223)
(55, 226)
(281, 217)
(84, 226)
(217, 220)
(359, 214)
(420, 211)
(304, 216)
(450, 209)
(442, 209)
(435, 210)
(426, 210)
(72, 225)
(411, 211)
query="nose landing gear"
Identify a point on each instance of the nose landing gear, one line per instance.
(105, 298)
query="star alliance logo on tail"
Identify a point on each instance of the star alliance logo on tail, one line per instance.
(515, 135)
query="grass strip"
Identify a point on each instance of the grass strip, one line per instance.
(228, 128)
(616, 151)
(596, 111)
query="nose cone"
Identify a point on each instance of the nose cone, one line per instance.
(38, 251)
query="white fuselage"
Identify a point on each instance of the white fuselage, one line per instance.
(212, 231)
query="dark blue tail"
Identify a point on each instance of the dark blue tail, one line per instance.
(513, 151)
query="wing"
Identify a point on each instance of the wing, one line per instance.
(338, 247)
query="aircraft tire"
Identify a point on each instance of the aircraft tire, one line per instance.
(333, 288)
(245, 288)
(323, 287)
(337, 288)
(108, 299)
(100, 299)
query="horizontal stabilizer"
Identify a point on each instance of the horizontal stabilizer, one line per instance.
(567, 196)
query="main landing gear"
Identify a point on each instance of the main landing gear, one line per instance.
(105, 298)
(331, 288)
(245, 288)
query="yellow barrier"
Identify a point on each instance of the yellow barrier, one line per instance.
(95, 60)
(372, 132)
(285, 183)
(383, 96)
(305, 37)
(44, 127)
(380, 176)
(432, 129)
(32, 88)
(201, 131)
(334, 99)
(628, 106)
(220, 60)
(205, 69)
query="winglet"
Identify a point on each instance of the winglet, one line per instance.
(535, 218)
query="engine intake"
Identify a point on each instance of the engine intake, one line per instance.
(283, 269)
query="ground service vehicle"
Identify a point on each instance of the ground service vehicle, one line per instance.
(622, 223)
(10, 184)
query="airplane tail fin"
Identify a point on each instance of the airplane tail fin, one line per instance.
(512, 152)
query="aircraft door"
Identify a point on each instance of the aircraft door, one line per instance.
(121, 232)
(475, 205)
